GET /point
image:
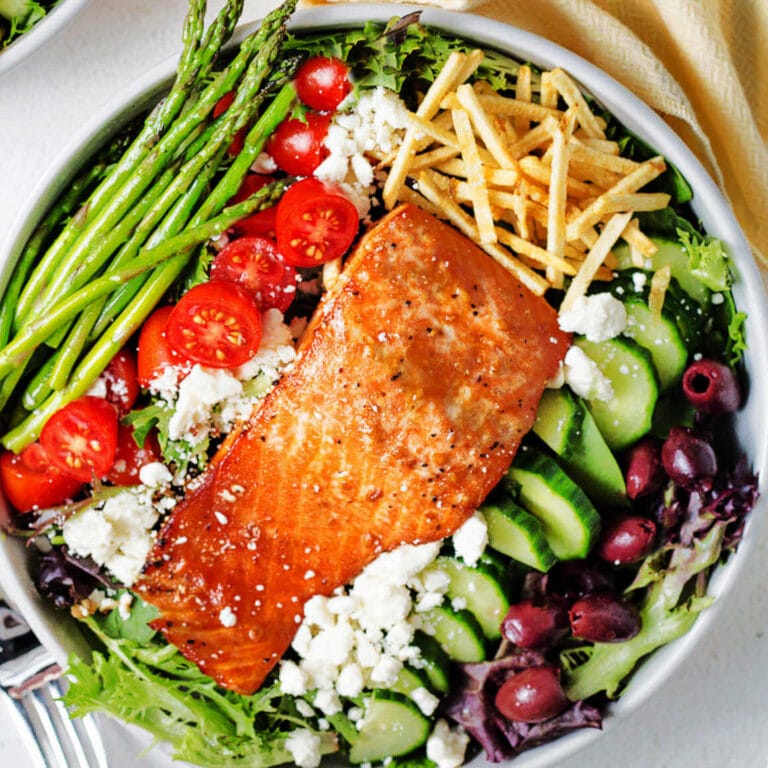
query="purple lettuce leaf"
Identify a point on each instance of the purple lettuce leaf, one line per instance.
(471, 705)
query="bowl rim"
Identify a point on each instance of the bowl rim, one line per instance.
(709, 205)
(55, 20)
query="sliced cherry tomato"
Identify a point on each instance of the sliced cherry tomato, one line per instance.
(251, 184)
(322, 82)
(260, 224)
(257, 265)
(81, 438)
(121, 380)
(130, 458)
(297, 145)
(155, 354)
(315, 223)
(222, 105)
(31, 481)
(217, 324)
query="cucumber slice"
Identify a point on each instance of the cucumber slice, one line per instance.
(565, 424)
(628, 415)
(569, 521)
(558, 421)
(392, 726)
(673, 254)
(434, 662)
(409, 679)
(481, 591)
(690, 316)
(458, 633)
(516, 533)
(659, 334)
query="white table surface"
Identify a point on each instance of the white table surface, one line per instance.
(712, 711)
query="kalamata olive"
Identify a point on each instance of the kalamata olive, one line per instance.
(687, 458)
(711, 387)
(604, 619)
(626, 539)
(528, 625)
(645, 473)
(532, 695)
(573, 579)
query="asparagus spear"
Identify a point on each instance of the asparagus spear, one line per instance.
(36, 331)
(256, 54)
(165, 112)
(83, 326)
(181, 197)
(31, 252)
(173, 251)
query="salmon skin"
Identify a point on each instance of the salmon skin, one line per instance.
(415, 381)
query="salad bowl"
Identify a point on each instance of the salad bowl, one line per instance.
(43, 31)
(708, 205)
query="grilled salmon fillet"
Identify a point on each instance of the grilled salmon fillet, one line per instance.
(414, 384)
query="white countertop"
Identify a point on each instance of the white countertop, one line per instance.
(712, 711)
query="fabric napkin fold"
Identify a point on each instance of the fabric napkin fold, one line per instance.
(702, 64)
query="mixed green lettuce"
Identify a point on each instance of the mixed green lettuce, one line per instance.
(19, 16)
(142, 680)
(137, 677)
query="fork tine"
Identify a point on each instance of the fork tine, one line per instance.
(38, 713)
(63, 743)
(82, 732)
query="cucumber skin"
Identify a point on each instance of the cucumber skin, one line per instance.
(530, 463)
(446, 622)
(383, 734)
(529, 545)
(624, 419)
(436, 663)
(580, 447)
(669, 359)
(558, 421)
(482, 591)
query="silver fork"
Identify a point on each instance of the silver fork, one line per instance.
(33, 682)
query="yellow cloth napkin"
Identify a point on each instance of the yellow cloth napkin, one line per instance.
(702, 64)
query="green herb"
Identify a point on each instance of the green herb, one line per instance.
(404, 56)
(19, 16)
(144, 681)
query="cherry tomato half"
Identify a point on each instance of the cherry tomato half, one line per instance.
(121, 380)
(315, 223)
(81, 438)
(31, 481)
(297, 145)
(257, 265)
(322, 82)
(154, 353)
(262, 224)
(130, 458)
(217, 324)
(222, 105)
(251, 184)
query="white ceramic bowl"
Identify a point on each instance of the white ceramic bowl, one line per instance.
(708, 204)
(43, 31)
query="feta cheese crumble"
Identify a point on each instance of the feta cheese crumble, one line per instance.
(599, 317)
(116, 533)
(584, 377)
(446, 747)
(227, 617)
(470, 540)
(361, 635)
(304, 747)
(211, 400)
(375, 123)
